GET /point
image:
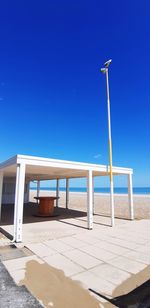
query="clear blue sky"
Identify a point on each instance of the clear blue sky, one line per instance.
(52, 95)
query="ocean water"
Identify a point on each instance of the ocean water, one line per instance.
(117, 190)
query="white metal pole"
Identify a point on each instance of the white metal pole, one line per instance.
(16, 200)
(130, 196)
(19, 202)
(67, 193)
(93, 196)
(57, 192)
(89, 200)
(110, 152)
(1, 191)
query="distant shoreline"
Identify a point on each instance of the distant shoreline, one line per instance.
(143, 192)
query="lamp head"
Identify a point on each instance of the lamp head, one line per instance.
(107, 63)
(103, 70)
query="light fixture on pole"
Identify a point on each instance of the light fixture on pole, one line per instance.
(104, 70)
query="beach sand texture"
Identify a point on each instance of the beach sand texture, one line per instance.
(78, 201)
(54, 289)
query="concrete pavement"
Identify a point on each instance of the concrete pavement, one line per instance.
(111, 261)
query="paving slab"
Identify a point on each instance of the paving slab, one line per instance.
(127, 235)
(144, 248)
(18, 275)
(75, 222)
(127, 264)
(102, 258)
(41, 250)
(9, 252)
(122, 242)
(141, 228)
(90, 280)
(138, 256)
(81, 258)
(99, 253)
(86, 238)
(118, 250)
(73, 242)
(57, 245)
(110, 273)
(61, 262)
(20, 263)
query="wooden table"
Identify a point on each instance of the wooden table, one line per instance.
(46, 205)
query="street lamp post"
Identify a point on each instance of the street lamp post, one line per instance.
(105, 71)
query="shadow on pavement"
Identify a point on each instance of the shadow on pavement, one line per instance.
(137, 298)
(30, 211)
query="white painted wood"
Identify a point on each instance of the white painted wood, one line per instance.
(89, 200)
(66, 168)
(67, 193)
(19, 202)
(54, 163)
(57, 192)
(130, 196)
(1, 191)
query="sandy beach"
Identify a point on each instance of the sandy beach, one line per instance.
(78, 201)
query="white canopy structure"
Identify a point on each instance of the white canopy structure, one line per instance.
(29, 168)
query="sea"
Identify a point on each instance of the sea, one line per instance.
(104, 190)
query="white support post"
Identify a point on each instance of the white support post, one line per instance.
(112, 204)
(19, 202)
(38, 189)
(16, 200)
(130, 196)
(57, 193)
(89, 200)
(93, 195)
(67, 193)
(1, 191)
